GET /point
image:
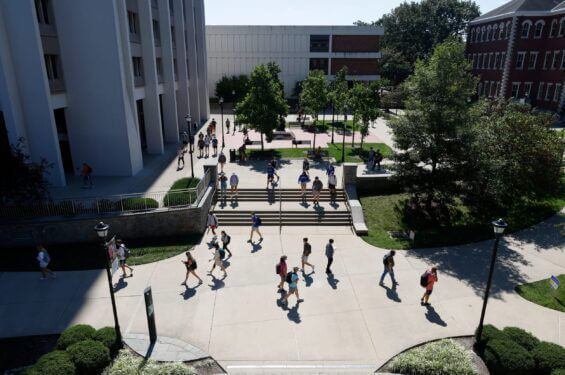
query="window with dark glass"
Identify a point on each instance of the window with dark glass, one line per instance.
(137, 66)
(319, 64)
(42, 11)
(51, 66)
(173, 38)
(156, 32)
(319, 43)
(132, 21)
(159, 65)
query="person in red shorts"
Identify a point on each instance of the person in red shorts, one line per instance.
(432, 279)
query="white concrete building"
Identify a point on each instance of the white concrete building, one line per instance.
(234, 50)
(101, 81)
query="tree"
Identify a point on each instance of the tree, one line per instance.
(394, 98)
(515, 157)
(314, 96)
(394, 66)
(227, 85)
(263, 104)
(365, 104)
(434, 136)
(274, 71)
(338, 95)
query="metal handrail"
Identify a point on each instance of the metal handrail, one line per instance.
(280, 205)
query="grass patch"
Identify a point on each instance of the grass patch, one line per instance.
(357, 154)
(174, 197)
(279, 153)
(66, 258)
(541, 293)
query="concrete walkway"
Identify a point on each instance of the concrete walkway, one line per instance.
(344, 320)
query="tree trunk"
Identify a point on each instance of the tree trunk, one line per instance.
(315, 127)
(333, 123)
(353, 132)
(262, 145)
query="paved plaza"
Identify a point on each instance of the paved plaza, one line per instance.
(345, 320)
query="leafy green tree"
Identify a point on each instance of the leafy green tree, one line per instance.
(394, 66)
(274, 71)
(434, 136)
(314, 96)
(263, 104)
(338, 95)
(366, 102)
(226, 86)
(394, 98)
(515, 157)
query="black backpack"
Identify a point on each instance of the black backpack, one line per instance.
(258, 220)
(424, 279)
(222, 253)
(228, 240)
(385, 260)
(289, 277)
(278, 269)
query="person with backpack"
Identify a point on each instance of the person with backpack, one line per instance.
(317, 186)
(330, 170)
(219, 255)
(255, 224)
(303, 180)
(271, 173)
(123, 253)
(306, 166)
(212, 222)
(226, 239)
(306, 253)
(191, 266)
(281, 270)
(292, 280)
(215, 145)
(332, 183)
(223, 185)
(427, 280)
(44, 259)
(330, 251)
(234, 181)
(388, 263)
(221, 159)
(207, 145)
(201, 145)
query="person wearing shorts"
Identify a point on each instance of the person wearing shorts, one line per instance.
(190, 264)
(303, 179)
(200, 146)
(217, 260)
(234, 181)
(212, 223)
(332, 182)
(255, 223)
(271, 175)
(282, 272)
(293, 287)
(122, 256)
(316, 189)
(306, 253)
(432, 279)
(207, 145)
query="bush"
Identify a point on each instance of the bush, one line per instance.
(521, 337)
(548, 356)
(90, 357)
(489, 332)
(559, 371)
(107, 336)
(504, 356)
(436, 358)
(127, 363)
(74, 334)
(131, 204)
(54, 363)
(178, 195)
(167, 368)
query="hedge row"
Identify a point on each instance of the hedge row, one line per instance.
(516, 351)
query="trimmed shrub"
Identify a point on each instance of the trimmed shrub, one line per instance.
(74, 334)
(90, 357)
(548, 356)
(559, 371)
(439, 357)
(132, 204)
(107, 336)
(167, 368)
(506, 357)
(489, 332)
(521, 337)
(54, 363)
(178, 195)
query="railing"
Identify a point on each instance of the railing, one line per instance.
(137, 202)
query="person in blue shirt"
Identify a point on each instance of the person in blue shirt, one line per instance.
(293, 287)
(303, 179)
(330, 170)
(271, 173)
(255, 224)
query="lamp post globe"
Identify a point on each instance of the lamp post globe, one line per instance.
(101, 230)
(499, 226)
(221, 101)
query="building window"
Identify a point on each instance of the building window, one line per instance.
(485, 60)
(492, 87)
(42, 11)
(533, 60)
(488, 55)
(52, 67)
(497, 60)
(133, 23)
(547, 60)
(319, 43)
(520, 60)
(137, 67)
(554, 29)
(562, 27)
(159, 67)
(548, 92)
(539, 29)
(489, 29)
(557, 92)
(515, 89)
(319, 64)
(494, 32)
(527, 89)
(526, 25)
(555, 63)
(491, 61)
(480, 89)
(540, 90)
(156, 32)
(483, 30)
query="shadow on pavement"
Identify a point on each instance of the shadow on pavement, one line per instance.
(292, 313)
(434, 317)
(391, 294)
(188, 292)
(217, 283)
(121, 284)
(308, 280)
(256, 247)
(332, 281)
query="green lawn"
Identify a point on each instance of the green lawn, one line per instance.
(67, 258)
(279, 153)
(174, 197)
(356, 155)
(541, 293)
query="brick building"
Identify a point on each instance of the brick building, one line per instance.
(518, 51)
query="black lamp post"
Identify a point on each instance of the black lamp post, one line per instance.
(191, 144)
(221, 101)
(102, 231)
(333, 122)
(499, 226)
(343, 141)
(234, 119)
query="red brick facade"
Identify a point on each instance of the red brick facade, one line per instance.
(355, 43)
(356, 67)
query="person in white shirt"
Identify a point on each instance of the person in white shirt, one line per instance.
(123, 253)
(44, 259)
(332, 182)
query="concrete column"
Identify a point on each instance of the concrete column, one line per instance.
(212, 166)
(349, 174)
(182, 72)
(190, 35)
(169, 97)
(20, 25)
(151, 102)
(202, 60)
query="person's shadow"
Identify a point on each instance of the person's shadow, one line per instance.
(292, 313)
(256, 247)
(217, 283)
(304, 202)
(391, 294)
(234, 203)
(121, 284)
(189, 292)
(332, 281)
(434, 317)
(226, 262)
(308, 280)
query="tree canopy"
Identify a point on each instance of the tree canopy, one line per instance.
(227, 85)
(313, 97)
(365, 103)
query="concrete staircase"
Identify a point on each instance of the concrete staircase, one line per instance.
(266, 204)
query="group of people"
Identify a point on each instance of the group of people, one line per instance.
(233, 181)
(375, 158)
(317, 184)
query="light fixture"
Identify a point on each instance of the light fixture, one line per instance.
(102, 230)
(499, 226)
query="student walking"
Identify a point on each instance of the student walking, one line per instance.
(87, 176)
(44, 259)
(255, 224)
(212, 222)
(201, 145)
(303, 180)
(271, 173)
(330, 250)
(306, 166)
(388, 263)
(281, 269)
(191, 266)
(123, 254)
(234, 181)
(332, 182)
(317, 186)
(306, 253)
(219, 255)
(180, 157)
(207, 145)
(215, 145)
(222, 160)
(228, 125)
(223, 185)
(226, 239)
(378, 159)
(428, 279)
(292, 280)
